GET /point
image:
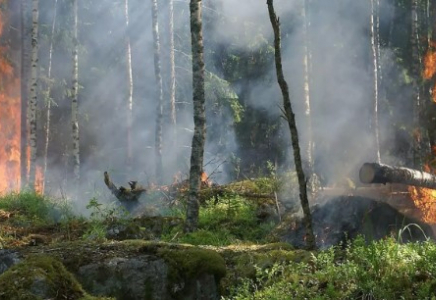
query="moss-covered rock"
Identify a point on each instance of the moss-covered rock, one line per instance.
(40, 277)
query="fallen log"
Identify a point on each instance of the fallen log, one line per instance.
(378, 173)
(124, 194)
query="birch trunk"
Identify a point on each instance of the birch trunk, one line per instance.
(33, 96)
(159, 96)
(25, 80)
(198, 140)
(312, 182)
(172, 67)
(74, 99)
(374, 47)
(48, 92)
(310, 238)
(129, 88)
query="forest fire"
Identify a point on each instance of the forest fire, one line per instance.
(10, 120)
(430, 67)
(10, 126)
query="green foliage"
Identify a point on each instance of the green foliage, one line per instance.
(29, 208)
(379, 270)
(102, 216)
(223, 221)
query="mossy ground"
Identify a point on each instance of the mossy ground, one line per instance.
(233, 244)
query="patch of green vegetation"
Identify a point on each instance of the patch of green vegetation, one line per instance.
(379, 270)
(223, 221)
(40, 277)
(29, 208)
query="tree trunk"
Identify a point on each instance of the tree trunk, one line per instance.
(74, 99)
(33, 95)
(129, 88)
(310, 238)
(48, 92)
(378, 173)
(416, 74)
(374, 47)
(198, 140)
(307, 111)
(25, 77)
(159, 92)
(172, 68)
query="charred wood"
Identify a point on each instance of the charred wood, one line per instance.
(124, 194)
(378, 173)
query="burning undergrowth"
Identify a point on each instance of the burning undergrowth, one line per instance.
(342, 218)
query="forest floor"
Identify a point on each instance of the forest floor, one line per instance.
(236, 243)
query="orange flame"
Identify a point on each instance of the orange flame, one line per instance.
(430, 67)
(10, 122)
(425, 200)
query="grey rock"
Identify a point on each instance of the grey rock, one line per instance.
(8, 258)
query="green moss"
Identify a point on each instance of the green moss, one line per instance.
(37, 276)
(190, 263)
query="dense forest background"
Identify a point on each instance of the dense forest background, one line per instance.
(246, 134)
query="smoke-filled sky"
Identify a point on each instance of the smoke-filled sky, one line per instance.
(341, 86)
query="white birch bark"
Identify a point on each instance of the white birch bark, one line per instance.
(74, 99)
(375, 125)
(48, 92)
(33, 95)
(159, 96)
(129, 88)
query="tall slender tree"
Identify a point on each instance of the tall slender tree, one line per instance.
(290, 116)
(159, 93)
(48, 93)
(312, 178)
(25, 77)
(172, 92)
(33, 96)
(375, 56)
(199, 137)
(74, 99)
(129, 86)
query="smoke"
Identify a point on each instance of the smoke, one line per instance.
(341, 87)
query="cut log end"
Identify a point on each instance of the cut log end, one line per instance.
(367, 173)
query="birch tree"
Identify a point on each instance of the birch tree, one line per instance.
(375, 56)
(159, 96)
(129, 86)
(312, 178)
(290, 116)
(25, 80)
(33, 95)
(172, 91)
(48, 92)
(74, 99)
(199, 137)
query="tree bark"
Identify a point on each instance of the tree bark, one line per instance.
(378, 173)
(310, 238)
(198, 140)
(33, 96)
(74, 99)
(25, 77)
(124, 194)
(129, 88)
(48, 92)
(416, 75)
(375, 74)
(172, 93)
(159, 94)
